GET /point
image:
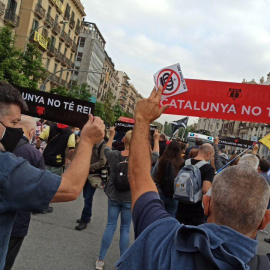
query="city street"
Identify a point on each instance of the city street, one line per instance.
(53, 243)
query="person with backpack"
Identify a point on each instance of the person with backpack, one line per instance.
(94, 181)
(194, 179)
(119, 197)
(164, 173)
(236, 212)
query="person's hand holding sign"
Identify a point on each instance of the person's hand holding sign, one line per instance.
(112, 132)
(216, 141)
(93, 131)
(148, 109)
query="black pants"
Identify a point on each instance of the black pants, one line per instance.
(14, 247)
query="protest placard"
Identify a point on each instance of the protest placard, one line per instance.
(237, 142)
(221, 100)
(56, 108)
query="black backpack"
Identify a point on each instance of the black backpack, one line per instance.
(120, 182)
(167, 185)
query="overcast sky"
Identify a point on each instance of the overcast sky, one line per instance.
(212, 40)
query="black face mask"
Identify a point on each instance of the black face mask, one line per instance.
(11, 137)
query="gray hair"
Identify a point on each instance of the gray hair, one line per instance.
(249, 160)
(28, 123)
(240, 198)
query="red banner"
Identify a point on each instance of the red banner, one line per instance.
(222, 100)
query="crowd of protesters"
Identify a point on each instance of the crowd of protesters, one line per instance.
(147, 181)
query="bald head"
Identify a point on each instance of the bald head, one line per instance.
(206, 152)
(28, 125)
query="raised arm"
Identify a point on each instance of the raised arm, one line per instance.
(147, 110)
(156, 141)
(74, 178)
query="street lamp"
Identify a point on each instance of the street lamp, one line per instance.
(33, 32)
(43, 86)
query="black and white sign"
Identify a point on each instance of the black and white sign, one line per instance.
(235, 142)
(172, 80)
(121, 126)
(60, 109)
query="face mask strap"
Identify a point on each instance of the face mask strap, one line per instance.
(4, 131)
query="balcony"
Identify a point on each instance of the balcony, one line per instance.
(70, 64)
(123, 98)
(69, 42)
(71, 23)
(52, 51)
(55, 80)
(56, 29)
(63, 83)
(59, 5)
(65, 61)
(40, 11)
(63, 36)
(131, 106)
(49, 21)
(132, 98)
(59, 57)
(2, 8)
(11, 19)
(124, 91)
(74, 47)
(77, 29)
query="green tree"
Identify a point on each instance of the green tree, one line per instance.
(108, 109)
(25, 71)
(159, 125)
(76, 91)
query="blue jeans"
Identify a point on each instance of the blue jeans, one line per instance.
(170, 204)
(114, 209)
(88, 194)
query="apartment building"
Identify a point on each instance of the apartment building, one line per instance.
(9, 13)
(244, 130)
(109, 81)
(55, 26)
(127, 95)
(90, 57)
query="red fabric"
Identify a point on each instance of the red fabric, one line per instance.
(126, 119)
(61, 125)
(222, 100)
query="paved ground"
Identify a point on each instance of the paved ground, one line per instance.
(53, 243)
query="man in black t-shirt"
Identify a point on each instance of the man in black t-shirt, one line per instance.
(193, 214)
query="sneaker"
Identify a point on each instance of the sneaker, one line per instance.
(47, 210)
(81, 226)
(99, 265)
(267, 240)
(79, 220)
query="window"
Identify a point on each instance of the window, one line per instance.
(82, 42)
(79, 56)
(55, 68)
(48, 63)
(69, 32)
(71, 56)
(59, 47)
(63, 27)
(35, 25)
(49, 11)
(67, 76)
(72, 16)
(61, 73)
(67, 12)
(11, 8)
(65, 52)
(53, 40)
(45, 33)
(56, 18)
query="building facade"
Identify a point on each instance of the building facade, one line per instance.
(90, 57)
(109, 80)
(127, 95)
(55, 26)
(238, 129)
(9, 13)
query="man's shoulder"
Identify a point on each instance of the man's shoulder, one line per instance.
(8, 162)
